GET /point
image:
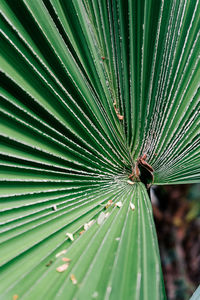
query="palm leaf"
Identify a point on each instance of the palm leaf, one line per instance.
(89, 87)
(195, 296)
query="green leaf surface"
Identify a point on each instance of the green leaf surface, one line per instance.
(196, 294)
(89, 87)
(110, 259)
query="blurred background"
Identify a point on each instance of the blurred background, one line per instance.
(177, 217)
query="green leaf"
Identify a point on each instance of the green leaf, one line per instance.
(109, 259)
(93, 92)
(196, 294)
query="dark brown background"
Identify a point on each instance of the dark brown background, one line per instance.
(177, 217)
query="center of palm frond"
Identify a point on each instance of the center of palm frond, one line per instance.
(142, 171)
